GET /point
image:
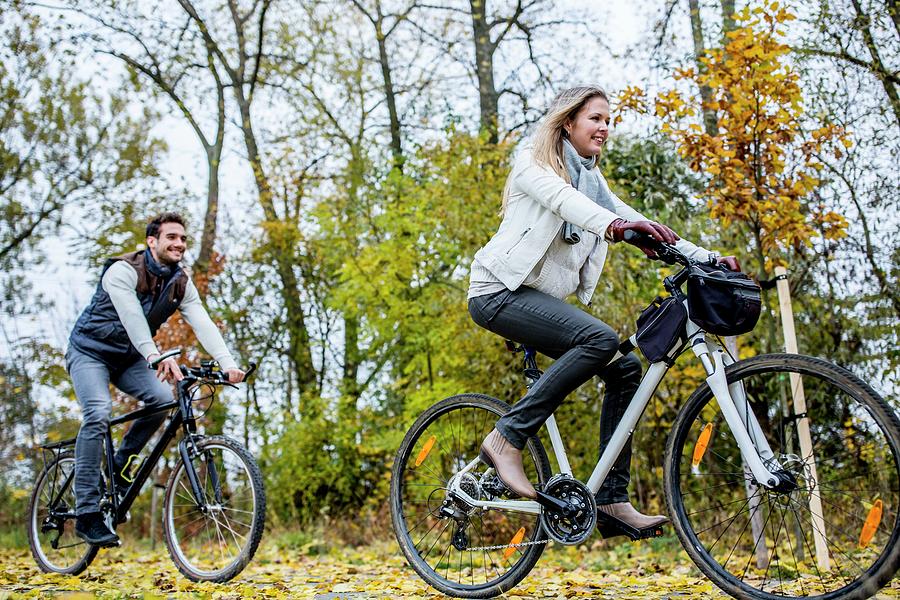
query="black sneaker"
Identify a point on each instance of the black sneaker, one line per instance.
(91, 528)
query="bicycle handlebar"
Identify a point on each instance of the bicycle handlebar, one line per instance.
(205, 372)
(165, 355)
(666, 253)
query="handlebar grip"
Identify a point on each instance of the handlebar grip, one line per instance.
(637, 238)
(250, 371)
(165, 355)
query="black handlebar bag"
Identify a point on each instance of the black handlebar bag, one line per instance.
(722, 302)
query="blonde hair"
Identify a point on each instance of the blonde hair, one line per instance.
(548, 139)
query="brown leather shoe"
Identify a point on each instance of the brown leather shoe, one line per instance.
(497, 452)
(629, 515)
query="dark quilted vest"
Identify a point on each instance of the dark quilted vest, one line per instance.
(99, 331)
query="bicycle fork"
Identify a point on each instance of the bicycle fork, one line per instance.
(733, 403)
(187, 449)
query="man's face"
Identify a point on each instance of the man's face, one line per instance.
(169, 247)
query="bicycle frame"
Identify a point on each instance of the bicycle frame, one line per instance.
(732, 401)
(182, 418)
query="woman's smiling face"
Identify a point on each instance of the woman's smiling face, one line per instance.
(589, 128)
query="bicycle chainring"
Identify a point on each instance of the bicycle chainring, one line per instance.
(577, 526)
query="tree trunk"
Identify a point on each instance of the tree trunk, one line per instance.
(710, 122)
(350, 389)
(727, 19)
(390, 95)
(208, 237)
(214, 160)
(484, 69)
(299, 352)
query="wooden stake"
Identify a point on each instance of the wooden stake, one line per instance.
(806, 453)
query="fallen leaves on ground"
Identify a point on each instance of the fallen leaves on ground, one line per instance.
(378, 571)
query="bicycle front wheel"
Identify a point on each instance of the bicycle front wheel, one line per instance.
(51, 521)
(214, 540)
(456, 548)
(832, 534)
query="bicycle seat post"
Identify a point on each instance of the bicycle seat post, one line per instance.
(529, 364)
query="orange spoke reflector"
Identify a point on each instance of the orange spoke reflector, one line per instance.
(516, 539)
(871, 524)
(423, 453)
(702, 444)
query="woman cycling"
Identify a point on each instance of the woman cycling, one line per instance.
(559, 216)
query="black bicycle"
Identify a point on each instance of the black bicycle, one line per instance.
(214, 508)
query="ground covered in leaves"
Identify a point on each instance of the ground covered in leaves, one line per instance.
(656, 569)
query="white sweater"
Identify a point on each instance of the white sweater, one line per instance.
(120, 281)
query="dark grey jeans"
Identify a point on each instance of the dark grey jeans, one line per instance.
(582, 346)
(91, 378)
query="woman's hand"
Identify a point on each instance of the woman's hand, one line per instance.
(657, 231)
(731, 263)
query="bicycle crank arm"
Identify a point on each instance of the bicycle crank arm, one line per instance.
(555, 504)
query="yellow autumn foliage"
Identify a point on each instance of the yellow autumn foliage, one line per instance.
(762, 165)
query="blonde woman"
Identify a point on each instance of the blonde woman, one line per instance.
(559, 217)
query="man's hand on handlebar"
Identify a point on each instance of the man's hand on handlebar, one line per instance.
(167, 369)
(234, 375)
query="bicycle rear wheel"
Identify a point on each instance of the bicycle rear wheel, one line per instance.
(759, 543)
(461, 550)
(214, 542)
(51, 521)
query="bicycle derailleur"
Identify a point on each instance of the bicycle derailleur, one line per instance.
(570, 511)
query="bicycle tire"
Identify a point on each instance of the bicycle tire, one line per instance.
(438, 420)
(76, 554)
(856, 447)
(183, 521)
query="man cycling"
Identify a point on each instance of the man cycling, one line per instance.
(112, 341)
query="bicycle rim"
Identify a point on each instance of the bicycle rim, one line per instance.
(214, 542)
(769, 544)
(494, 549)
(56, 524)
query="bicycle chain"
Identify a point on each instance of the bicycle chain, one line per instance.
(504, 546)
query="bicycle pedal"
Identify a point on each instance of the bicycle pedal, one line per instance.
(610, 527)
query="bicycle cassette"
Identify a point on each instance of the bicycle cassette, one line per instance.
(577, 523)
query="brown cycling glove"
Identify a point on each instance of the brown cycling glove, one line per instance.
(657, 231)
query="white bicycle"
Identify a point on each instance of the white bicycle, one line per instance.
(782, 475)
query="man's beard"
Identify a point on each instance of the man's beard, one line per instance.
(167, 260)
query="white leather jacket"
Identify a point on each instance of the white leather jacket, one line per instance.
(538, 204)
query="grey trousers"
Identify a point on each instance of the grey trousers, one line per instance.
(91, 378)
(582, 346)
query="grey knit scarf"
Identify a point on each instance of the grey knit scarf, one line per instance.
(586, 180)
